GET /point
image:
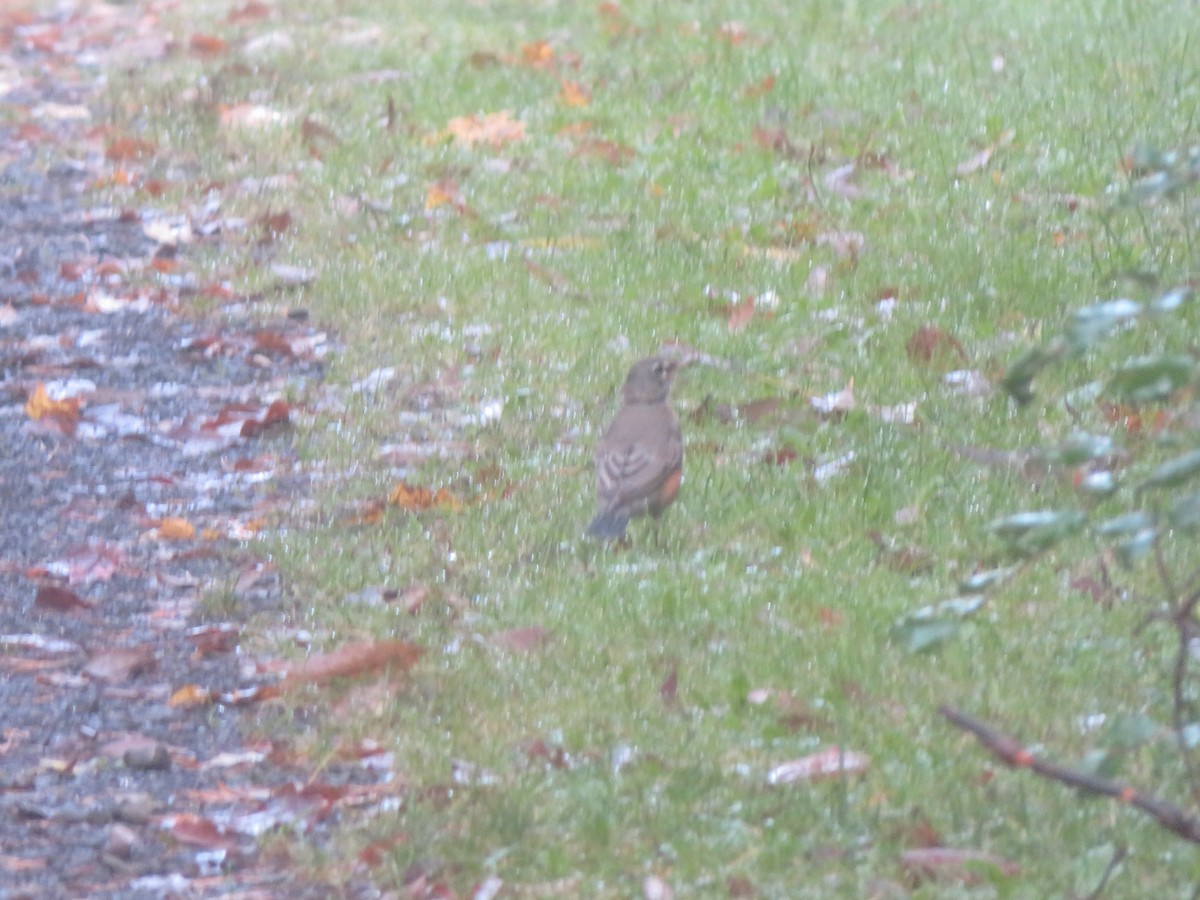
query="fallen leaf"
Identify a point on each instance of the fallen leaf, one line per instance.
(761, 88)
(415, 499)
(740, 315)
(120, 664)
(60, 599)
(607, 151)
(537, 54)
(977, 161)
(837, 403)
(521, 640)
(124, 149)
(197, 831)
(190, 696)
(573, 93)
(929, 344)
(174, 528)
(41, 405)
(359, 658)
(494, 129)
(966, 866)
(206, 45)
(445, 192)
(833, 762)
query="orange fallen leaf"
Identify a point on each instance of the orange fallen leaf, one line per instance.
(574, 94)
(494, 129)
(206, 44)
(174, 528)
(190, 696)
(415, 499)
(442, 193)
(359, 658)
(537, 54)
(40, 404)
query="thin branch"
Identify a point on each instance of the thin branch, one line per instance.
(1171, 817)
(1118, 857)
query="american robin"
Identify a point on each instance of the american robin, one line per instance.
(639, 459)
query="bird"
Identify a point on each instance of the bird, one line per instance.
(639, 458)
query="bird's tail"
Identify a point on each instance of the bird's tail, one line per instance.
(608, 526)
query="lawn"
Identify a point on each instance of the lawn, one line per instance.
(504, 204)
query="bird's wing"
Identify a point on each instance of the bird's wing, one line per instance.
(637, 453)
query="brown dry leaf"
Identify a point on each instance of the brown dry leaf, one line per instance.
(211, 639)
(929, 344)
(608, 151)
(833, 762)
(251, 11)
(313, 133)
(174, 528)
(206, 45)
(761, 88)
(977, 161)
(196, 831)
(125, 149)
(903, 559)
(369, 512)
(274, 224)
(120, 664)
(59, 599)
(494, 129)
(948, 863)
(740, 315)
(573, 93)
(837, 403)
(359, 658)
(378, 851)
(521, 640)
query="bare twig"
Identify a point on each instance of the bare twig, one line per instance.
(1171, 817)
(1118, 857)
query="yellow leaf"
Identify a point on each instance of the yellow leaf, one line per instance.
(40, 404)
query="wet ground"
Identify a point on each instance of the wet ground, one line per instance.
(145, 448)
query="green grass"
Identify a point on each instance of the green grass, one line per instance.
(762, 577)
